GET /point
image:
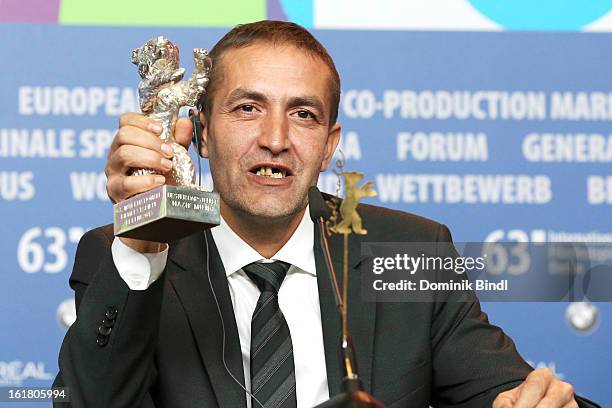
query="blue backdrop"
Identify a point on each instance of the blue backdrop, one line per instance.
(499, 135)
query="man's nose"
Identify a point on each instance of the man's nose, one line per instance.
(274, 134)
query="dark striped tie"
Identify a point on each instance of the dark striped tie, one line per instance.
(272, 367)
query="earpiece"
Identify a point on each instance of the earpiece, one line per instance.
(196, 135)
(196, 138)
(212, 289)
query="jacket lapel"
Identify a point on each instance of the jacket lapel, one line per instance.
(361, 315)
(193, 288)
(194, 291)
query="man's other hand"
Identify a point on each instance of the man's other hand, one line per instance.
(540, 389)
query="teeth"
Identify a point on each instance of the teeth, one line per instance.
(267, 172)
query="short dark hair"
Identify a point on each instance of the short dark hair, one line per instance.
(276, 33)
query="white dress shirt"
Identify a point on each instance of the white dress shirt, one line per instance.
(298, 298)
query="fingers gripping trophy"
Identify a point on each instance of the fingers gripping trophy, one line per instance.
(180, 207)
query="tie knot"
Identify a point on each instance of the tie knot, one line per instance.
(267, 276)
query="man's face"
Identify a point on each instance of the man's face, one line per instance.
(269, 134)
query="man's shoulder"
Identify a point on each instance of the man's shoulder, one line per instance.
(386, 224)
(103, 235)
(93, 246)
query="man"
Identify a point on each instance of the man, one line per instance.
(183, 327)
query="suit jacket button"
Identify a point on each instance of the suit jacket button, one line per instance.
(101, 340)
(111, 313)
(106, 322)
(105, 331)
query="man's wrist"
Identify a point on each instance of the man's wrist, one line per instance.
(139, 269)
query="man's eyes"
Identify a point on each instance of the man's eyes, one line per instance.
(301, 113)
(246, 108)
(304, 114)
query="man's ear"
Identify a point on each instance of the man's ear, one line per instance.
(333, 138)
(204, 136)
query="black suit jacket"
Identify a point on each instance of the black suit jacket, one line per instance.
(166, 345)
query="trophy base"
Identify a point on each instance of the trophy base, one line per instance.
(166, 214)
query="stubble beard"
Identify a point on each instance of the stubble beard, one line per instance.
(276, 212)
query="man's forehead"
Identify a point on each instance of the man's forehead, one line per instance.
(265, 54)
(255, 66)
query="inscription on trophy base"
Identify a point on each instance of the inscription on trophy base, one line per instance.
(166, 213)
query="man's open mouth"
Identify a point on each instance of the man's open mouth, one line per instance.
(270, 171)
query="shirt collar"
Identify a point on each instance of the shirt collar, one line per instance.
(236, 253)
